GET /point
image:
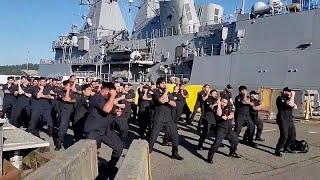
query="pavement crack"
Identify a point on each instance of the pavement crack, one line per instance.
(258, 162)
(276, 168)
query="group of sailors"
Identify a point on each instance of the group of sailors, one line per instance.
(102, 111)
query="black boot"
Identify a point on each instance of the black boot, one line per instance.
(199, 147)
(34, 132)
(259, 139)
(288, 150)
(112, 165)
(58, 146)
(165, 141)
(175, 154)
(50, 132)
(277, 153)
(233, 154)
(210, 158)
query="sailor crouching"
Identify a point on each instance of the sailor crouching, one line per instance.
(98, 123)
(225, 115)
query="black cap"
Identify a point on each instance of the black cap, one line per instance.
(286, 89)
(229, 86)
(253, 93)
(242, 88)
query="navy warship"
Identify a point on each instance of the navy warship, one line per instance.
(275, 45)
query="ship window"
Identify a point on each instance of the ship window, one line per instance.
(216, 11)
(187, 7)
(189, 16)
(216, 19)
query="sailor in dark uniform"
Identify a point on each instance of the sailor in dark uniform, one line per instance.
(134, 106)
(202, 96)
(254, 114)
(209, 123)
(81, 112)
(67, 112)
(225, 114)
(128, 101)
(185, 108)
(98, 123)
(179, 99)
(120, 103)
(55, 91)
(285, 104)
(145, 98)
(163, 101)
(8, 99)
(22, 109)
(226, 94)
(242, 116)
(41, 108)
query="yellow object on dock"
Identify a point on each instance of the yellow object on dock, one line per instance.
(192, 91)
(308, 108)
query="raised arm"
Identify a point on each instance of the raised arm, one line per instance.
(107, 108)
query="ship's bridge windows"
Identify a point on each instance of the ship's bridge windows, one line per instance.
(216, 12)
(187, 8)
(216, 19)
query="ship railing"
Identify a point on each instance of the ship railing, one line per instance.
(215, 49)
(79, 60)
(85, 73)
(176, 78)
(177, 30)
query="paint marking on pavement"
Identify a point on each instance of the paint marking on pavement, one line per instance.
(313, 132)
(269, 130)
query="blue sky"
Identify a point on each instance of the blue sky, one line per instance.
(28, 27)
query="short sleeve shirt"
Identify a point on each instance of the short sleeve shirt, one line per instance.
(284, 110)
(227, 110)
(97, 119)
(241, 108)
(41, 103)
(162, 111)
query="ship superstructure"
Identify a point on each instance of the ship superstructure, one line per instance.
(276, 44)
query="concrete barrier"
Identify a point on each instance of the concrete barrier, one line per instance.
(136, 164)
(77, 162)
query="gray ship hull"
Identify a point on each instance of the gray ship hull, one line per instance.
(276, 51)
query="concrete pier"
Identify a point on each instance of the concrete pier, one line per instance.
(77, 162)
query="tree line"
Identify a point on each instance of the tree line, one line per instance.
(17, 69)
